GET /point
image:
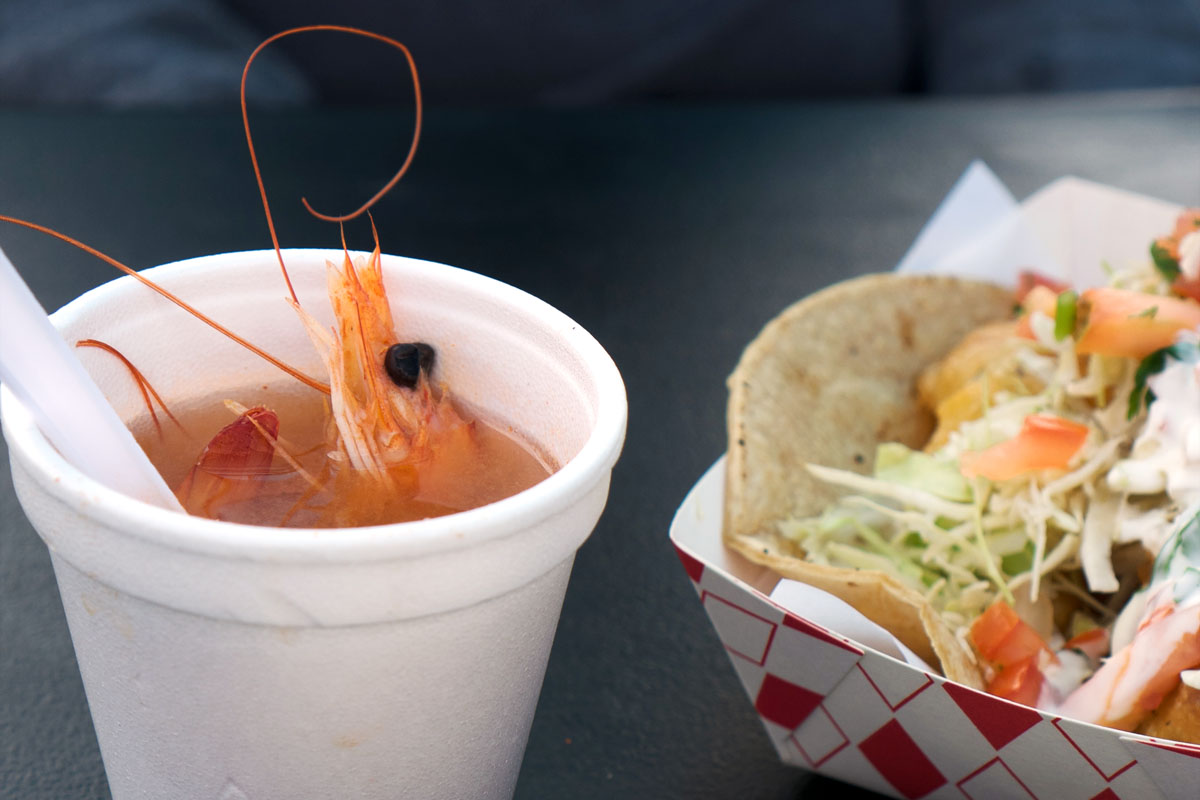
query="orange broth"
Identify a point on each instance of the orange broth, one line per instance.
(502, 465)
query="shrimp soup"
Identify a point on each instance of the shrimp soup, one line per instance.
(279, 469)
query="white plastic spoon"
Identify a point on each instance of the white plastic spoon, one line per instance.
(40, 369)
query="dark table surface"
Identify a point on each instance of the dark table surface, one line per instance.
(673, 234)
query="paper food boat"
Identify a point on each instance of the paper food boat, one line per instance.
(844, 709)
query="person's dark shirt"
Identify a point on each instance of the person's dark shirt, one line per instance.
(191, 52)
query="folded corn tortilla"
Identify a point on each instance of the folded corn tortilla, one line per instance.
(825, 382)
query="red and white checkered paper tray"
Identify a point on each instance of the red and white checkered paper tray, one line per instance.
(846, 710)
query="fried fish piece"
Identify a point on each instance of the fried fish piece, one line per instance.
(1177, 716)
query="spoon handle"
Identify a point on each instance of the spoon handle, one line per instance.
(42, 372)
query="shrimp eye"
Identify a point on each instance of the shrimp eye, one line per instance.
(406, 361)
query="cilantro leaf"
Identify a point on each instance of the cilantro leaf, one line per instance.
(1167, 266)
(1156, 362)
(1181, 553)
(1149, 313)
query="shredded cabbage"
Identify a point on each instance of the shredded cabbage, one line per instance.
(965, 543)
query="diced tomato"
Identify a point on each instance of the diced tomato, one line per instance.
(1085, 639)
(1020, 682)
(1006, 641)
(993, 627)
(1093, 643)
(1187, 288)
(1045, 442)
(1022, 643)
(1040, 298)
(1132, 324)
(1187, 222)
(1029, 280)
(1003, 638)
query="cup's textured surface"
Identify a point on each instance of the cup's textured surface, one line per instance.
(396, 661)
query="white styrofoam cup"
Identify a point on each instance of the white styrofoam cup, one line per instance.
(236, 662)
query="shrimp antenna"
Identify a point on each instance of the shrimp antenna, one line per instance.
(374, 230)
(295, 373)
(144, 386)
(387, 187)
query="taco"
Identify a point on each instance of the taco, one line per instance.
(824, 383)
(994, 490)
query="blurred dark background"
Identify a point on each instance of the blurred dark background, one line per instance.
(130, 53)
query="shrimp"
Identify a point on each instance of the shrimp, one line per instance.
(1166, 641)
(395, 436)
(393, 426)
(399, 440)
(232, 465)
(1133, 682)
